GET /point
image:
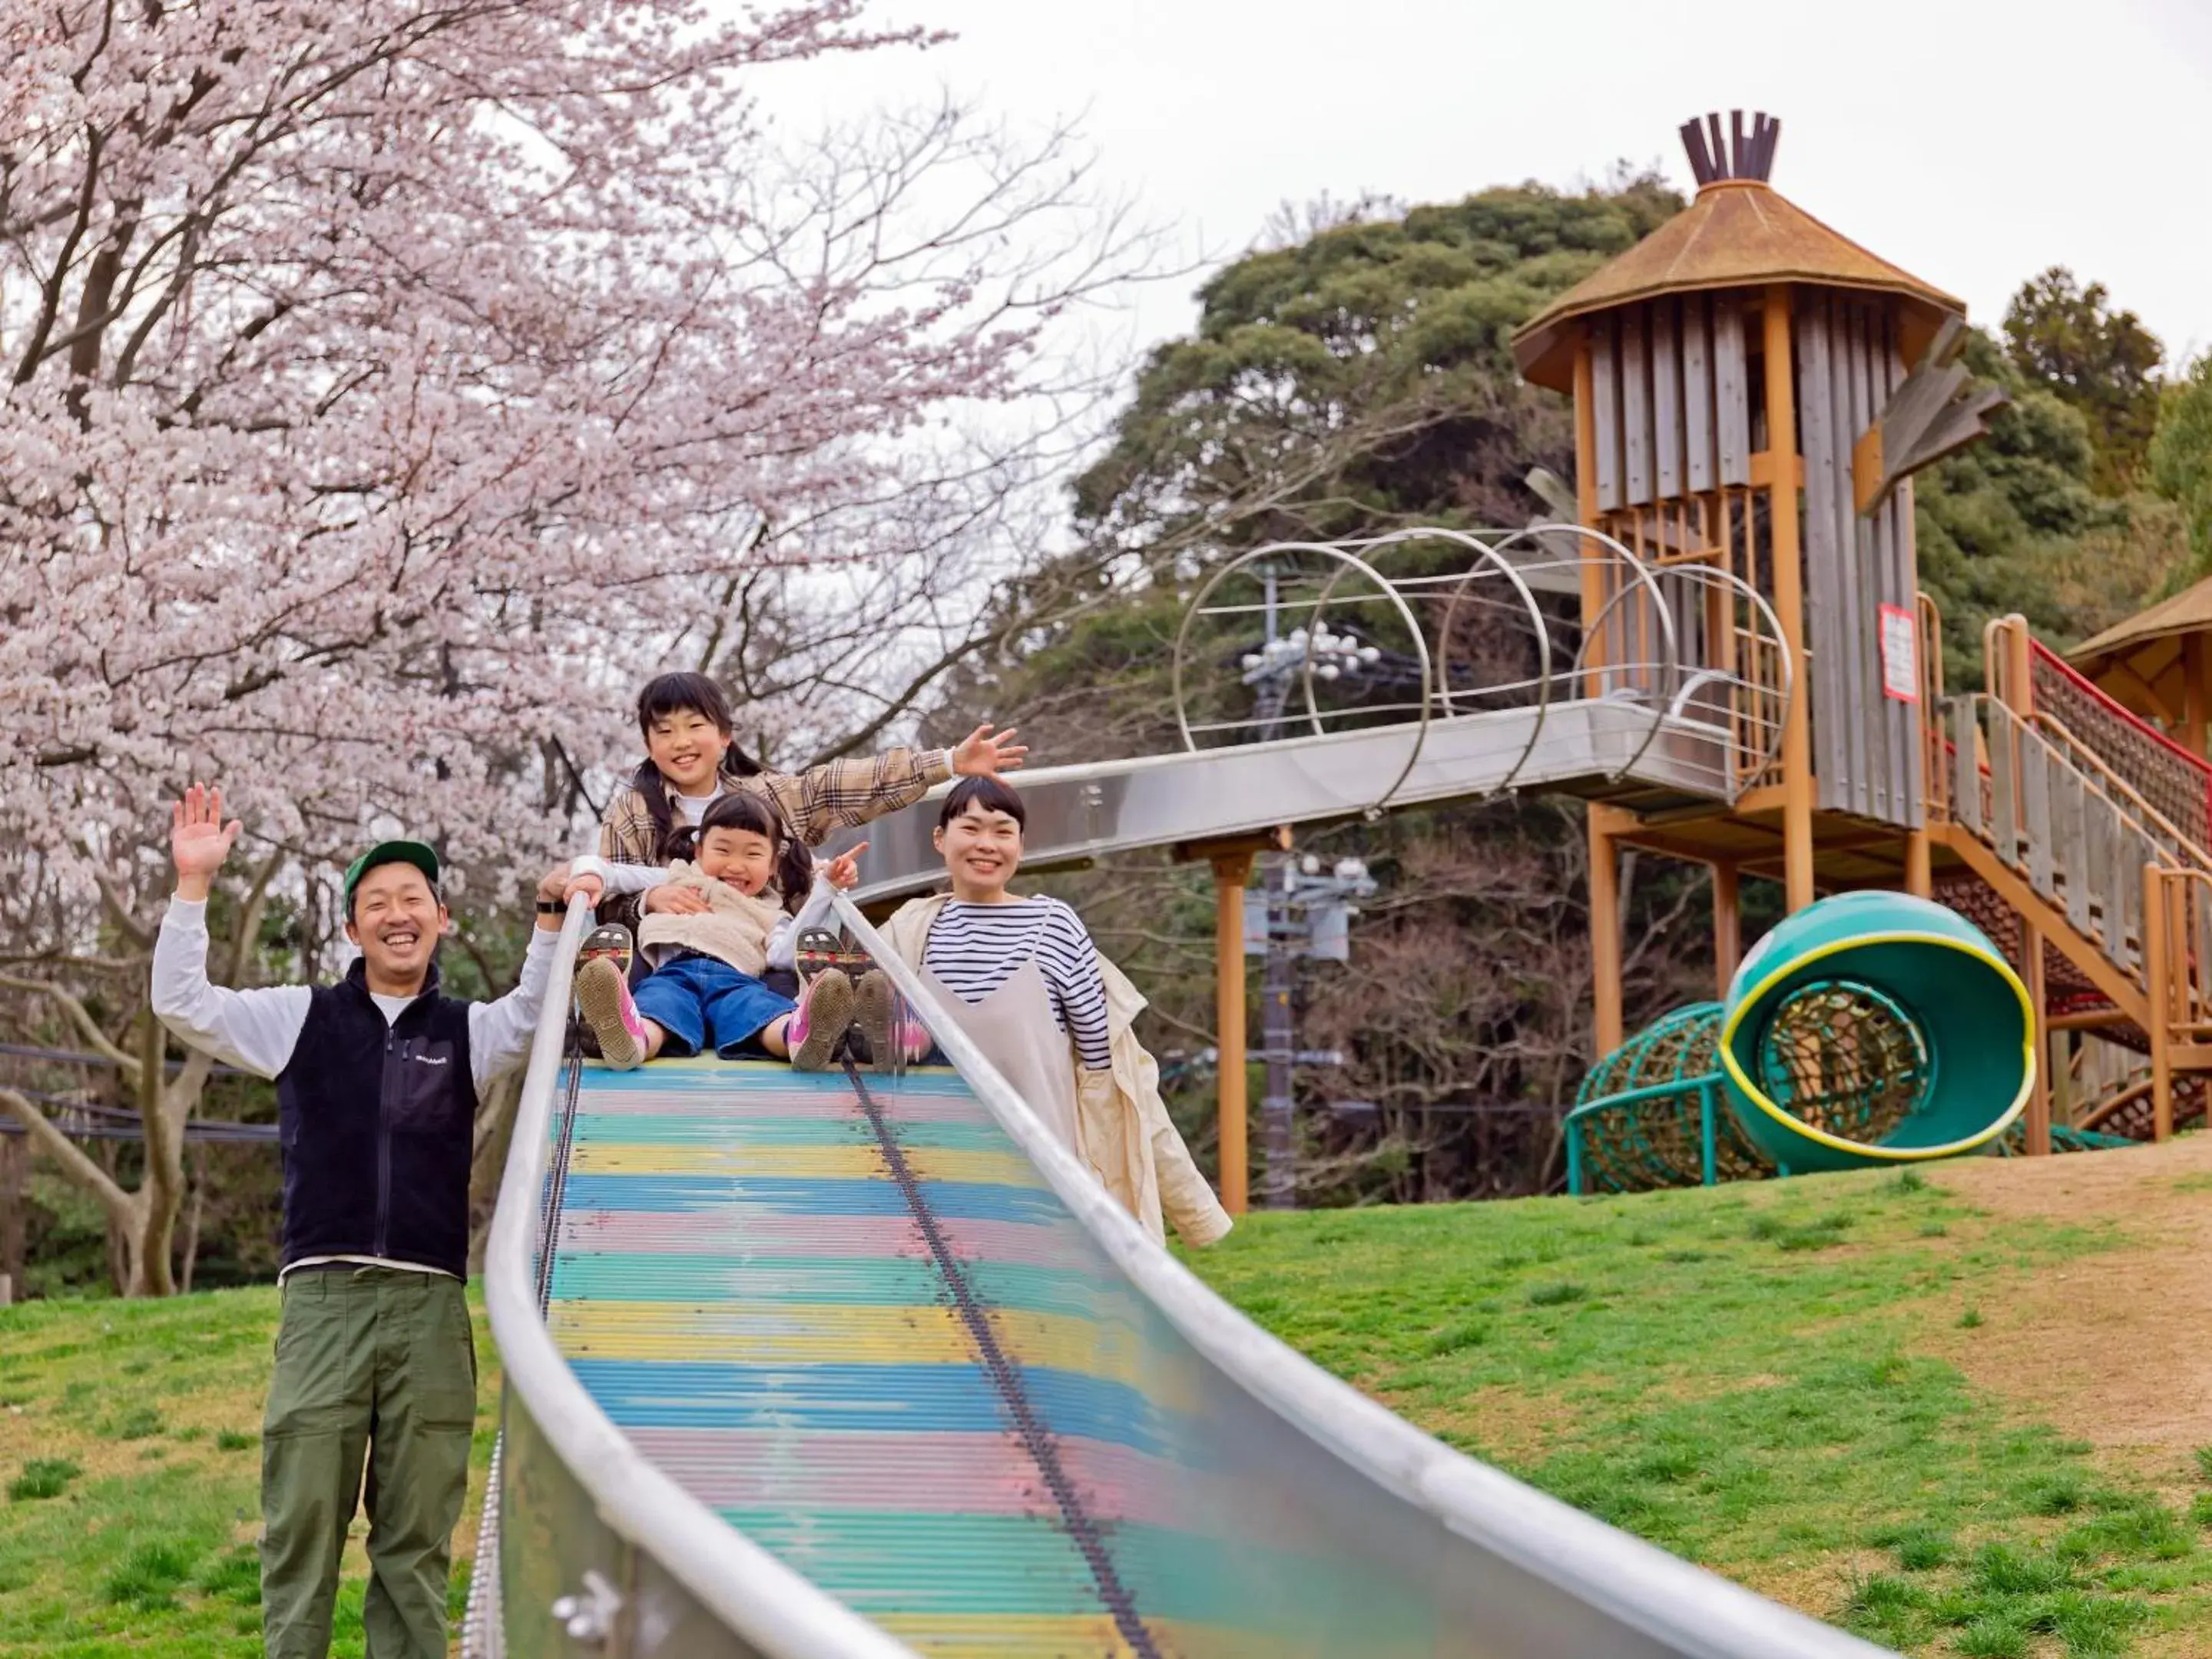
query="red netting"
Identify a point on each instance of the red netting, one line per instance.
(2137, 1118)
(2176, 783)
(2067, 989)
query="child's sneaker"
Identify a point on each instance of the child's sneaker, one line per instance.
(915, 1039)
(610, 939)
(895, 1038)
(603, 996)
(824, 1014)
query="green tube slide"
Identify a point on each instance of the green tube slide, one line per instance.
(1874, 1028)
(1868, 1028)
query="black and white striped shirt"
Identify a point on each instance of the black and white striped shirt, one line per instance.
(976, 948)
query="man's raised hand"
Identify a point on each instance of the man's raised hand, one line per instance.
(560, 884)
(199, 840)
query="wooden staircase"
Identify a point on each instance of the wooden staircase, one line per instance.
(2069, 820)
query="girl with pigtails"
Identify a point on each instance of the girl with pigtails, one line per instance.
(706, 992)
(692, 759)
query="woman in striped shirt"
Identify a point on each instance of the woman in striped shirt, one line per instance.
(1006, 966)
(1024, 983)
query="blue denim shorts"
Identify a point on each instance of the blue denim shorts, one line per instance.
(704, 1003)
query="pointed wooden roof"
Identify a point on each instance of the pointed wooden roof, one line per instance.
(2139, 661)
(1740, 233)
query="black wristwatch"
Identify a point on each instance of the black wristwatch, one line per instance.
(552, 908)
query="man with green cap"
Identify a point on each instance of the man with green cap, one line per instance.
(377, 1080)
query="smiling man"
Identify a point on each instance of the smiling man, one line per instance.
(378, 1079)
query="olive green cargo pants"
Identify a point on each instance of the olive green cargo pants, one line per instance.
(374, 1362)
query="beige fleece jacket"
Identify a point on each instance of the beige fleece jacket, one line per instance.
(735, 929)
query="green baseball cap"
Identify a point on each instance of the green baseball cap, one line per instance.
(390, 851)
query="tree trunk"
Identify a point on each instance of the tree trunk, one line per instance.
(14, 1165)
(192, 1251)
(118, 1261)
(140, 1224)
(160, 1116)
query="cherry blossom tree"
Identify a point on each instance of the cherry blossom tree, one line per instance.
(385, 387)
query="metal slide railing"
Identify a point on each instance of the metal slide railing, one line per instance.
(1398, 1544)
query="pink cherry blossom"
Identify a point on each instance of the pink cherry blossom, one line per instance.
(386, 388)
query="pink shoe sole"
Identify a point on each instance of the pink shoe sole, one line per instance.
(603, 998)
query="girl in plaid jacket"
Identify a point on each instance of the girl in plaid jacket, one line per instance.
(692, 759)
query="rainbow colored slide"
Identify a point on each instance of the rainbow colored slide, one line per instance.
(868, 1366)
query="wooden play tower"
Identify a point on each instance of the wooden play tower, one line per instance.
(1752, 391)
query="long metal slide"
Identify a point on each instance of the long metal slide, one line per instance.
(856, 1363)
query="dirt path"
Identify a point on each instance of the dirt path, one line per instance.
(2116, 1347)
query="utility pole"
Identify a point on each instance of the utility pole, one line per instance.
(1283, 657)
(1299, 904)
(1279, 1129)
(1307, 913)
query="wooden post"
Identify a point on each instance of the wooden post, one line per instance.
(1789, 601)
(2158, 982)
(1919, 866)
(1728, 926)
(1604, 873)
(1591, 571)
(2057, 1056)
(1605, 930)
(2038, 1117)
(2195, 695)
(2019, 668)
(1230, 872)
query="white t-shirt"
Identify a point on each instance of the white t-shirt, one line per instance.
(689, 809)
(257, 1029)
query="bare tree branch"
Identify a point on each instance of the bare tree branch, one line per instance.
(79, 1169)
(79, 1016)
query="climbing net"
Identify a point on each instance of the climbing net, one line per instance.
(1842, 1057)
(1632, 1145)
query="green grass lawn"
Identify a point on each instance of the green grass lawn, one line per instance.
(129, 1458)
(1753, 1378)
(1744, 1377)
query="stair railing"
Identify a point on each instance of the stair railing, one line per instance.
(2078, 848)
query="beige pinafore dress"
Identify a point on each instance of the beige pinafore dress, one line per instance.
(1014, 1028)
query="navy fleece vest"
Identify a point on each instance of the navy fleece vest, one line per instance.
(376, 1122)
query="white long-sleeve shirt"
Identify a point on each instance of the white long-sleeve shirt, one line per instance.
(257, 1029)
(782, 939)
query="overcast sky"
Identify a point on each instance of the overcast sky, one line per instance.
(1972, 143)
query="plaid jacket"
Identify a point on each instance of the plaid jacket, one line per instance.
(834, 796)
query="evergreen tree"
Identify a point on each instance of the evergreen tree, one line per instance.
(2068, 340)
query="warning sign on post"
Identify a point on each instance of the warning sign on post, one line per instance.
(1900, 654)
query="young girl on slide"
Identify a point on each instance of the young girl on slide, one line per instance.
(691, 762)
(745, 879)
